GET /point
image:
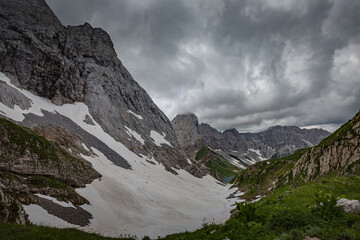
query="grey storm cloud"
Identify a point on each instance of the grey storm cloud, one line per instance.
(247, 64)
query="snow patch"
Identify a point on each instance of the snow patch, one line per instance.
(158, 138)
(136, 115)
(135, 135)
(39, 216)
(64, 204)
(151, 201)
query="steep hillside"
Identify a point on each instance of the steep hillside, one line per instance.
(30, 165)
(79, 64)
(337, 154)
(243, 148)
(67, 85)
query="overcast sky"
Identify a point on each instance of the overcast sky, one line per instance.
(236, 64)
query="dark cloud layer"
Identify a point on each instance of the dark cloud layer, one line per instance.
(246, 64)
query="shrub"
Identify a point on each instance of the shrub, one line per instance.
(289, 218)
(247, 211)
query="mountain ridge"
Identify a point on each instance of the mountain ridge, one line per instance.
(276, 141)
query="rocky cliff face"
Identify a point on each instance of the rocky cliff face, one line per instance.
(246, 148)
(339, 152)
(187, 131)
(78, 64)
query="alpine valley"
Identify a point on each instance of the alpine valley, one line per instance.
(86, 154)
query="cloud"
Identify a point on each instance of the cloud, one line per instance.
(246, 64)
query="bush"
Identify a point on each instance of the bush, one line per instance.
(247, 211)
(289, 218)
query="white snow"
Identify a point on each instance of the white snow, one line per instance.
(85, 147)
(135, 135)
(136, 115)
(151, 201)
(236, 163)
(158, 138)
(257, 151)
(39, 216)
(147, 200)
(308, 143)
(64, 204)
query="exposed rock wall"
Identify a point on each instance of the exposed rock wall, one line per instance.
(79, 64)
(341, 151)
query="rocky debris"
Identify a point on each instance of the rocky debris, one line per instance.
(349, 206)
(277, 141)
(339, 152)
(10, 209)
(79, 64)
(88, 120)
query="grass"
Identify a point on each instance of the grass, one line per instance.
(22, 139)
(291, 213)
(30, 232)
(216, 164)
(260, 177)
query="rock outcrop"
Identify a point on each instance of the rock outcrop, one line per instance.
(79, 64)
(24, 152)
(339, 152)
(277, 141)
(349, 206)
(187, 131)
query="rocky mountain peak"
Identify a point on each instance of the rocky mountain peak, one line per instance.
(79, 64)
(276, 141)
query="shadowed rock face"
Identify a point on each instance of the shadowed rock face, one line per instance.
(78, 63)
(276, 141)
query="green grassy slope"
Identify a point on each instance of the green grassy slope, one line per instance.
(29, 232)
(217, 164)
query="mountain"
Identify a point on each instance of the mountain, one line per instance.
(243, 149)
(71, 97)
(311, 194)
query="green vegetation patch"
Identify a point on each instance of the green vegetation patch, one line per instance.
(30, 232)
(21, 139)
(291, 212)
(216, 164)
(260, 177)
(201, 153)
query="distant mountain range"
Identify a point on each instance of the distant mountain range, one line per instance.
(243, 149)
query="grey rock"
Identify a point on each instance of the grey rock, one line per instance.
(7, 213)
(79, 64)
(349, 206)
(277, 141)
(341, 155)
(187, 131)
(10, 97)
(88, 120)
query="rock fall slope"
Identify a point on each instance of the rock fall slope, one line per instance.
(101, 151)
(243, 149)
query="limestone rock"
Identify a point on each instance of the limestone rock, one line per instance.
(79, 64)
(277, 141)
(349, 206)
